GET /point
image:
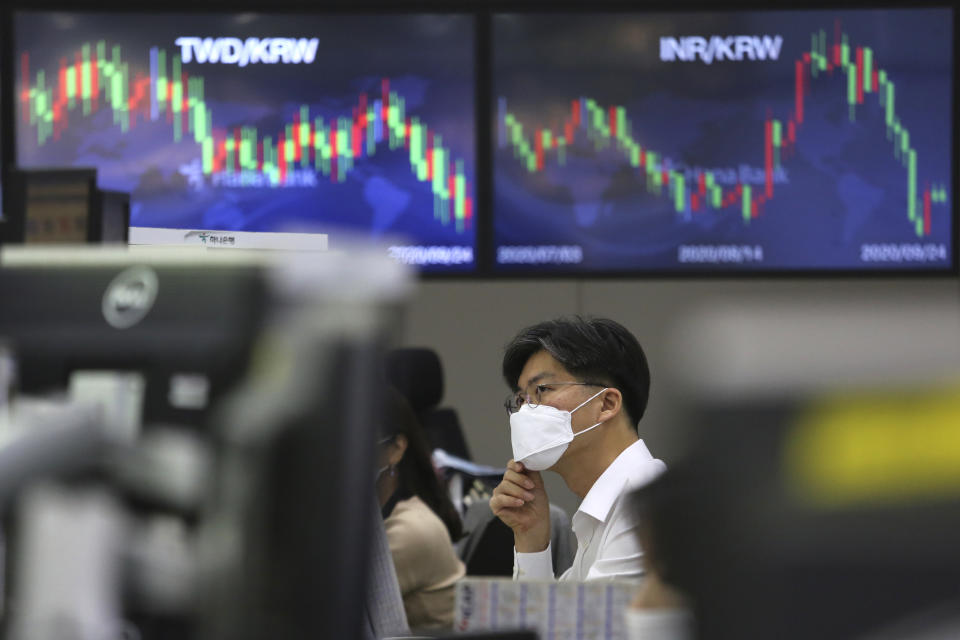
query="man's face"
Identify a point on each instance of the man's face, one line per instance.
(541, 370)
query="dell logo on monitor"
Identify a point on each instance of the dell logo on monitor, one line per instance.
(130, 296)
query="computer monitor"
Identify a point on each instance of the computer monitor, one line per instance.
(53, 206)
(818, 493)
(194, 322)
(292, 345)
(112, 224)
(724, 141)
(262, 130)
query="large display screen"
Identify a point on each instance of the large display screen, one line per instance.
(777, 141)
(263, 130)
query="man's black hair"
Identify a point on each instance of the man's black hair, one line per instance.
(594, 349)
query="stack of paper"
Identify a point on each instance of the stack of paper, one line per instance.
(556, 610)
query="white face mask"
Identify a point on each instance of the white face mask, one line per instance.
(541, 434)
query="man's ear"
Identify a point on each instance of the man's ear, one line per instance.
(612, 404)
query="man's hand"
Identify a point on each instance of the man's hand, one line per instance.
(521, 502)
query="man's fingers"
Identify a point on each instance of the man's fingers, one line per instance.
(535, 478)
(518, 479)
(511, 489)
(503, 501)
(514, 467)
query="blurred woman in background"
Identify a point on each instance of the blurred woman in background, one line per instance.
(420, 521)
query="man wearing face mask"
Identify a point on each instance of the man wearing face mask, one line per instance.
(580, 388)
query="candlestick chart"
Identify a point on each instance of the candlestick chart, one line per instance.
(350, 123)
(822, 140)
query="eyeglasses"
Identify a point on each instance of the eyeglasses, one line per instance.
(516, 400)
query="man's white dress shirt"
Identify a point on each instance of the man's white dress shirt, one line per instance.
(606, 527)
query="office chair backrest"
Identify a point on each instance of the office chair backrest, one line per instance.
(416, 373)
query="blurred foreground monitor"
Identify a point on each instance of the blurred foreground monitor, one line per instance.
(820, 496)
(201, 414)
(184, 321)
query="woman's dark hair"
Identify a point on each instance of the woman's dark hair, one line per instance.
(590, 349)
(416, 474)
